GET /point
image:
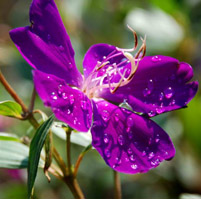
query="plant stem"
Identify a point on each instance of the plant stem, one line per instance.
(13, 93)
(77, 164)
(73, 185)
(117, 185)
(68, 151)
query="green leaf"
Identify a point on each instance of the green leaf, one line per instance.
(11, 109)
(35, 150)
(13, 155)
(9, 137)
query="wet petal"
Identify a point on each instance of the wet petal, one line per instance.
(98, 53)
(128, 143)
(69, 105)
(45, 45)
(160, 84)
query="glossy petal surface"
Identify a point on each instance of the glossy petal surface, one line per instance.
(45, 44)
(69, 105)
(160, 83)
(128, 143)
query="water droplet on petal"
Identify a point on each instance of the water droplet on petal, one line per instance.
(134, 166)
(160, 109)
(118, 161)
(84, 105)
(116, 117)
(104, 57)
(157, 140)
(106, 138)
(155, 162)
(168, 92)
(151, 113)
(130, 134)
(75, 120)
(150, 84)
(64, 96)
(130, 121)
(132, 158)
(70, 65)
(155, 59)
(129, 151)
(107, 153)
(143, 153)
(172, 102)
(105, 115)
(161, 96)
(151, 155)
(121, 140)
(68, 111)
(146, 92)
(53, 96)
(71, 99)
(61, 48)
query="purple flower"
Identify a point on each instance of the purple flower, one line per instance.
(128, 142)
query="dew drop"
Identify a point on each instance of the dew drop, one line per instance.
(134, 166)
(107, 153)
(118, 161)
(126, 159)
(71, 99)
(68, 111)
(130, 134)
(132, 158)
(168, 92)
(129, 151)
(157, 140)
(61, 48)
(151, 113)
(151, 155)
(160, 109)
(130, 122)
(53, 96)
(64, 96)
(172, 102)
(146, 92)
(75, 121)
(155, 59)
(105, 115)
(121, 140)
(84, 105)
(143, 153)
(116, 117)
(105, 138)
(104, 57)
(70, 65)
(150, 84)
(155, 162)
(161, 96)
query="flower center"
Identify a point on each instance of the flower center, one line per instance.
(114, 70)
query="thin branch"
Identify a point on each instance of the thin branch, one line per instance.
(13, 93)
(68, 151)
(117, 185)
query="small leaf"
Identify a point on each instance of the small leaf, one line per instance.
(13, 155)
(9, 137)
(11, 109)
(35, 150)
(80, 138)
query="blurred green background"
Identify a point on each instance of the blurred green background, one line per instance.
(173, 28)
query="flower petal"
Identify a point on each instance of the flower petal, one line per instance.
(160, 84)
(128, 143)
(69, 105)
(45, 44)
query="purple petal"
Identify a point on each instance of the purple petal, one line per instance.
(45, 44)
(97, 53)
(128, 143)
(69, 105)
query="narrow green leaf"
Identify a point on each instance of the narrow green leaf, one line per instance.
(13, 155)
(11, 109)
(9, 137)
(35, 150)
